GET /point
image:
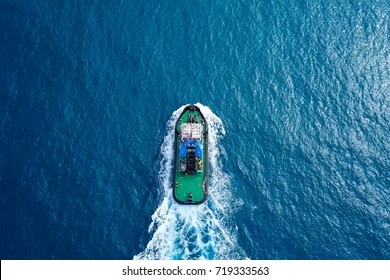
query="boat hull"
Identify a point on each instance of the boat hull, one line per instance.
(191, 157)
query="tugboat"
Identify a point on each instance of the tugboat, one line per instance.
(191, 157)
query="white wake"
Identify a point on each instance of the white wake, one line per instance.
(198, 231)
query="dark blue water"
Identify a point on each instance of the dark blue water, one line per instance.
(297, 93)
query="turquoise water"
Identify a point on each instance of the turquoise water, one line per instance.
(297, 97)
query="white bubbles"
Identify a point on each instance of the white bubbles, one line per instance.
(194, 231)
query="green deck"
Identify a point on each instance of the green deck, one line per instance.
(185, 184)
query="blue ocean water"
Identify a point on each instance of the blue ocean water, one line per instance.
(297, 94)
